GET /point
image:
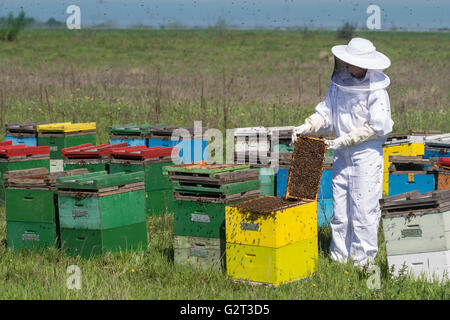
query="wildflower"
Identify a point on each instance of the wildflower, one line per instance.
(132, 270)
(78, 89)
(10, 260)
(345, 271)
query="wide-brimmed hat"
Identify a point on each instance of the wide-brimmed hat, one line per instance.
(361, 53)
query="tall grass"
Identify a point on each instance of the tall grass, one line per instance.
(227, 79)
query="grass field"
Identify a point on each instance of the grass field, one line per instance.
(227, 79)
(151, 274)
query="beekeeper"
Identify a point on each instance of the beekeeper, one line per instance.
(356, 108)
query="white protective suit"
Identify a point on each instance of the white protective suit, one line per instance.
(350, 105)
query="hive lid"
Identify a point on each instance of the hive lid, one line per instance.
(99, 180)
(306, 168)
(37, 177)
(66, 127)
(21, 150)
(130, 129)
(142, 152)
(88, 150)
(206, 169)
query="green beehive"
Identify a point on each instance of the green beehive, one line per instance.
(205, 253)
(102, 212)
(11, 164)
(31, 208)
(92, 165)
(87, 243)
(31, 235)
(158, 188)
(63, 135)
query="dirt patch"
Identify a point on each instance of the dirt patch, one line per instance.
(306, 167)
(265, 205)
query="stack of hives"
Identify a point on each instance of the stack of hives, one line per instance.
(407, 173)
(411, 144)
(151, 161)
(100, 212)
(63, 135)
(416, 229)
(201, 193)
(93, 158)
(32, 219)
(191, 144)
(18, 157)
(325, 194)
(22, 133)
(272, 240)
(132, 134)
(437, 146)
(252, 146)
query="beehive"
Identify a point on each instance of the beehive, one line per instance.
(102, 212)
(132, 134)
(404, 146)
(32, 218)
(191, 148)
(21, 133)
(63, 135)
(20, 157)
(158, 188)
(93, 158)
(272, 240)
(417, 231)
(201, 193)
(407, 173)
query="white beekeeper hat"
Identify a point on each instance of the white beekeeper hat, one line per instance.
(361, 53)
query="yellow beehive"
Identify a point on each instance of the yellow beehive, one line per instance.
(275, 229)
(407, 149)
(270, 265)
(274, 247)
(66, 127)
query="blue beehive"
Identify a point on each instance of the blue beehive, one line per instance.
(324, 212)
(406, 182)
(28, 141)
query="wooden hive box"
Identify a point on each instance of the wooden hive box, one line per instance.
(63, 135)
(158, 188)
(274, 240)
(416, 223)
(98, 201)
(31, 208)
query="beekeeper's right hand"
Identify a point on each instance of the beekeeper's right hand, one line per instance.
(303, 129)
(312, 124)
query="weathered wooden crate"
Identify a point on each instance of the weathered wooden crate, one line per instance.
(22, 158)
(132, 134)
(88, 243)
(275, 266)
(417, 233)
(415, 222)
(98, 201)
(203, 253)
(21, 133)
(213, 181)
(433, 266)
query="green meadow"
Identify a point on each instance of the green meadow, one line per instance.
(226, 79)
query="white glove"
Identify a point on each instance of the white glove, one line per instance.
(303, 129)
(357, 136)
(336, 143)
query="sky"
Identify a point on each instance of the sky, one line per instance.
(327, 14)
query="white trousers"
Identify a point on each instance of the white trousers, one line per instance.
(357, 187)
